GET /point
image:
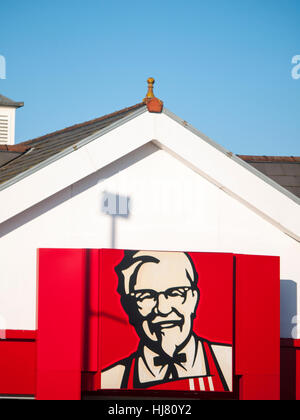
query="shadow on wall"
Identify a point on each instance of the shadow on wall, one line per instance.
(79, 187)
(115, 206)
(288, 328)
(288, 309)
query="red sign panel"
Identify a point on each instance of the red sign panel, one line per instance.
(166, 320)
(115, 319)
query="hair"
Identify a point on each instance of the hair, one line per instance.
(127, 270)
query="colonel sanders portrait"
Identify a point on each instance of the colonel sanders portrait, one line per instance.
(159, 292)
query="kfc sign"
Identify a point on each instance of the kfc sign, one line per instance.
(149, 321)
(166, 320)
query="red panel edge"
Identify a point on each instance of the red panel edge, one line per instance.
(290, 343)
(18, 364)
(20, 335)
(61, 277)
(257, 355)
(31, 335)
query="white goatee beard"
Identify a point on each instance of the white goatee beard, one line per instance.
(169, 340)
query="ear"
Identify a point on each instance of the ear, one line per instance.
(196, 299)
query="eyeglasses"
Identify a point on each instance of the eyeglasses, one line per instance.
(149, 296)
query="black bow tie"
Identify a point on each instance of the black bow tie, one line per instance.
(166, 360)
(170, 362)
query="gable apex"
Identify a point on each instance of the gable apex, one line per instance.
(220, 167)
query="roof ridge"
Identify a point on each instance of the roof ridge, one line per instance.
(265, 158)
(86, 123)
(14, 148)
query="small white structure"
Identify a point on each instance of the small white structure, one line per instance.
(143, 180)
(7, 120)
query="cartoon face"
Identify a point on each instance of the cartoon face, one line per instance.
(163, 298)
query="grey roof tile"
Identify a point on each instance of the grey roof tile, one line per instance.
(6, 157)
(4, 101)
(284, 170)
(45, 147)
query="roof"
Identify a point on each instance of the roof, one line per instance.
(6, 157)
(58, 165)
(38, 150)
(17, 159)
(284, 170)
(9, 153)
(4, 101)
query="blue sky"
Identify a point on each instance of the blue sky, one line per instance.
(222, 65)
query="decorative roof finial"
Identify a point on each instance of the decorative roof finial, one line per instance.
(153, 104)
(150, 93)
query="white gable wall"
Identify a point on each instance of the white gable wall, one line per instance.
(172, 208)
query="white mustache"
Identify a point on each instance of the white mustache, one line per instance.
(160, 320)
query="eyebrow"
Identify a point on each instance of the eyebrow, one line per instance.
(162, 291)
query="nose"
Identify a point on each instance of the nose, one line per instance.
(163, 305)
